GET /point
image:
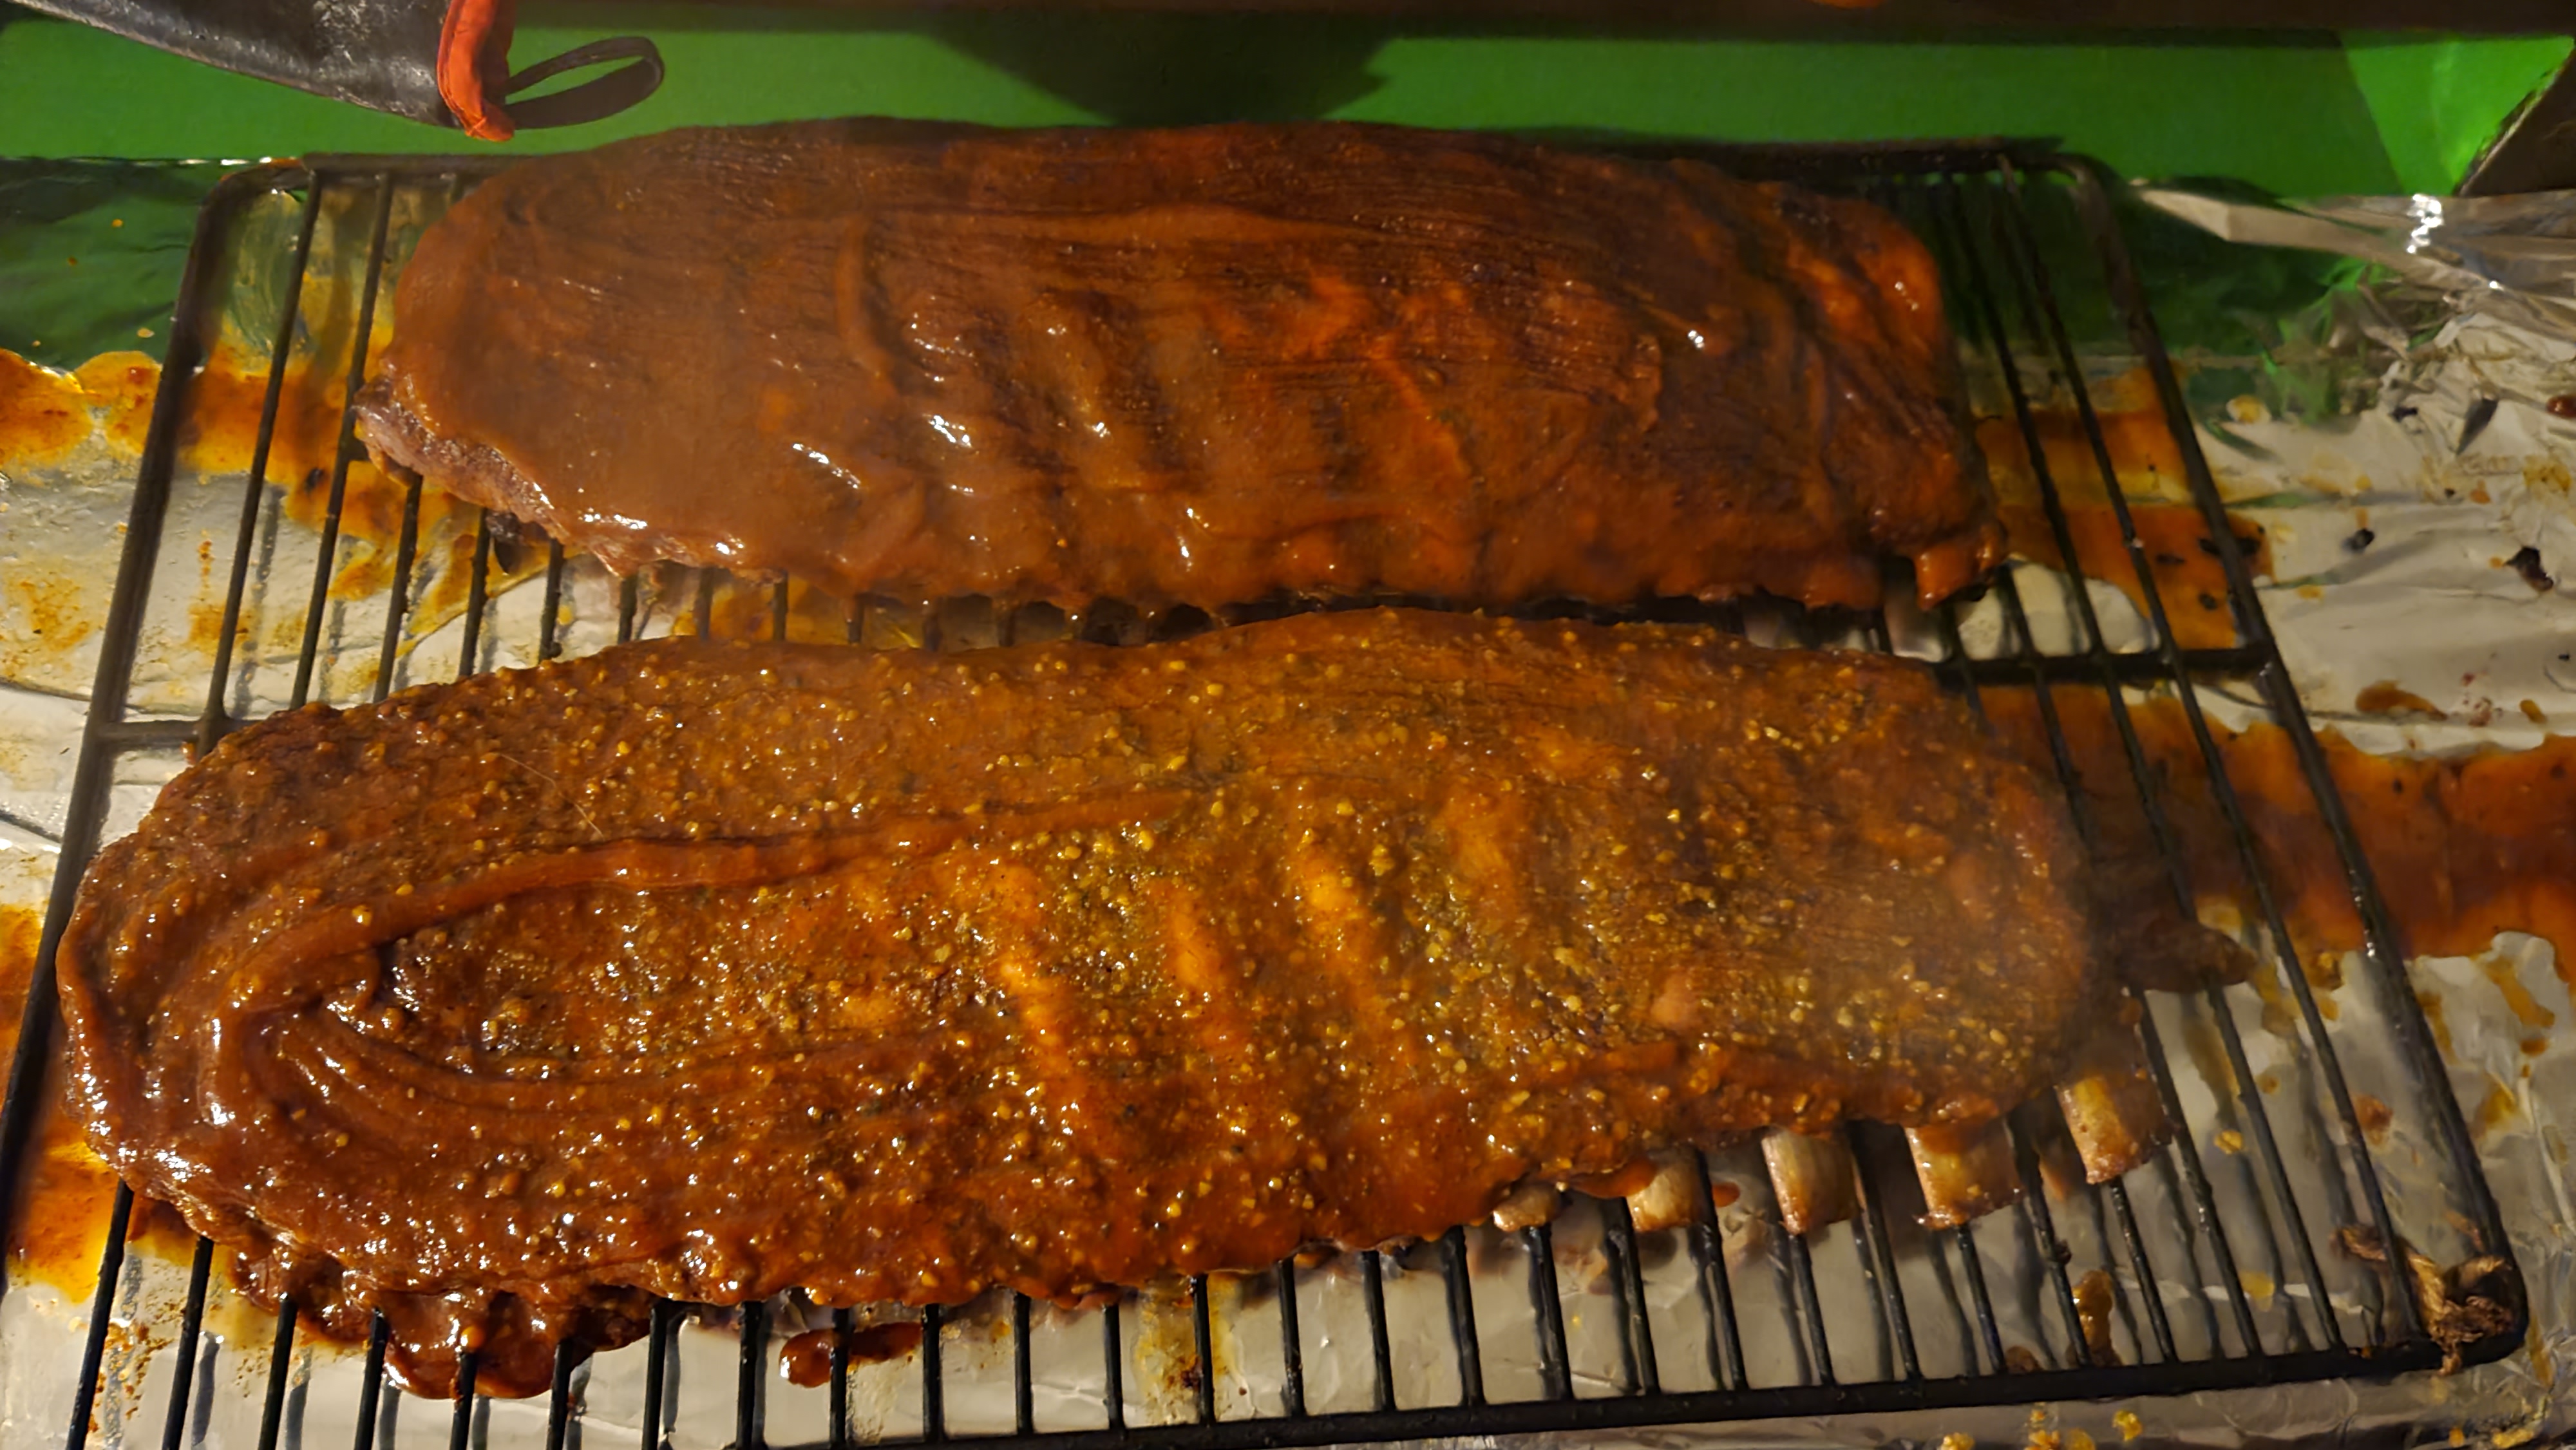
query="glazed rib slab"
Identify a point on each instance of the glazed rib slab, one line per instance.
(1202, 366)
(713, 970)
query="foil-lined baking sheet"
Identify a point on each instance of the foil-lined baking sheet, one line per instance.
(2385, 419)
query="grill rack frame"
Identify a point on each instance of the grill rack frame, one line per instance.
(1926, 183)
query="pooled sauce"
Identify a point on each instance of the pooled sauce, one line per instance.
(1202, 366)
(58, 1223)
(881, 1342)
(2462, 847)
(2096, 1298)
(2182, 558)
(46, 415)
(43, 414)
(711, 970)
(2385, 698)
(807, 1359)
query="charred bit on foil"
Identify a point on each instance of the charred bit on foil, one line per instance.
(2480, 1296)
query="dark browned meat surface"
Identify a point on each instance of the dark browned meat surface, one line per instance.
(711, 970)
(1199, 366)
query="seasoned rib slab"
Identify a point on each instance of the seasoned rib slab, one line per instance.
(1201, 366)
(712, 970)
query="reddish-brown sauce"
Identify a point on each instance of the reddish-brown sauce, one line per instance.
(58, 1223)
(710, 971)
(2182, 560)
(220, 435)
(42, 413)
(2097, 1297)
(1202, 366)
(45, 414)
(2145, 464)
(807, 1359)
(2462, 847)
(2385, 698)
(881, 1342)
(2144, 457)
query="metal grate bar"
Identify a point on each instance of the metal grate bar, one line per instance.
(174, 1424)
(1716, 1290)
(2036, 1215)
(1555, 1366)
(327, 557)
(1811, 1315)
(2203, 1206)
(934, 1386)
(2388, 962)
(560, 1409)
(1022, 1394)
(469, 655)
(255, 486)
(460, 1422)
(1878, 1258)
(1373, 1297)
(281, 1363)
(371, 1393)
(1973, 1270)
(1874, 1288)
(2040, 1222)
(1292, 1348)
(749, 1403)
(2276, 1176)
(548, 646)
(2148, 1293)
(1628, 1278)
(111, 1263)
(1462, 1317)
(399, 607)
(840, 1397)
(666, 1317)
(1203, 1345)
(1113, 1362)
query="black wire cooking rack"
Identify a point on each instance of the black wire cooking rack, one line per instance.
(1931, 1332)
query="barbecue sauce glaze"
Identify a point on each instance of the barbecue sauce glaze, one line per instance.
(1200, 366)
(712, 970)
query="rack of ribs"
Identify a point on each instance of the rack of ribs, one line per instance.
(1202, 366)
(708, 970)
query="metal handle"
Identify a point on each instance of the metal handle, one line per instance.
(593, 99)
